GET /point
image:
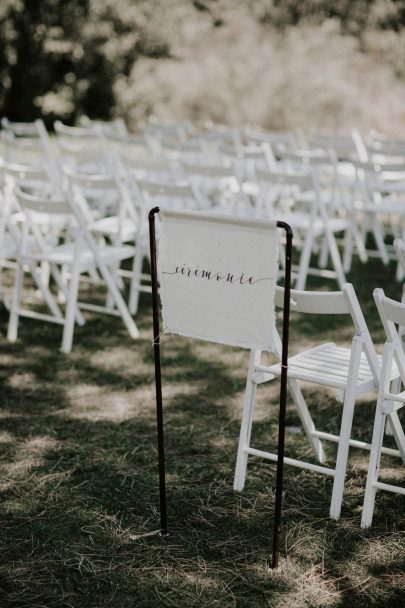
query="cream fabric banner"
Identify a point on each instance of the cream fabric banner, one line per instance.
(217, 278)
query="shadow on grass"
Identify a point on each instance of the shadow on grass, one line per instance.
(79, 484)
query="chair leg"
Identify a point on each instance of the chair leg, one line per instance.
(379, 239)
(360, 246)
(323, 258)
(398, 433)
(61, 282)
(373, 469)
(306, 420)
(246, 425)
(353, 238)
(345, 431)
(119, 302)
(378, 437)
(336, 259)
(304, 262)
(12, 329)
(68, 329)
(135, 283)
(348, 250)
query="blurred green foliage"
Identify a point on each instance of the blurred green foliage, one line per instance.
(65, 58)
(59, 58)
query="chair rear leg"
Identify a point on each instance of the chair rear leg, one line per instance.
(119, 302)
(323, 258)
(336, 259)
(345, 430)
(398, 433)
(12, 329)
(306, 420)
(379, 239)
(68, 329)
(304, 262)
(373, 469)
(348, 250)
(135, 283)
(246, 425)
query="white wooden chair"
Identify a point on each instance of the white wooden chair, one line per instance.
(168, 195)
(217, 186)
(124, 222)
(385, 149)
(352, 372)
(345, 147)
(335, 194)
(297, 198)
(392, 314)
(81, 255)
(27, 142)
(106, 128)
(83, 148)
(276, 140)
(165, 195)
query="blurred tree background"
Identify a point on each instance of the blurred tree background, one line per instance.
(329, 64)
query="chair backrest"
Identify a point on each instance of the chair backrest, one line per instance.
(36, 178)
(281, 140)
(386, 146)
(160, 169)
(22, 172)
(247, 158)
(81, 146)
(33, 203)
(27, 141)
(167, 195)
(41, 212)
(158, 130)
(277, 187)
(106, 128)
(392, 314)
(85, 132)
(106, 193)
(218, 185)
(343, 146)
(304, 180)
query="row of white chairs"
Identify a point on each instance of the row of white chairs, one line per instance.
(332, 203)
(364, 181)
(80, 219)
(300, 187)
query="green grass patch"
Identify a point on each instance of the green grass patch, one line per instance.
(79, 484)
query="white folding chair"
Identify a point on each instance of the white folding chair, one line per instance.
(378, 205)
(276, 140)
(385, 149)
(298, 200)
(392, 314)
(81, 254)
(84, 148)
(27, 142)
(106, 128)
(336, 193)
(125, 221)
(352, 372)
(345, 147)
(167, 195)
(217, 186)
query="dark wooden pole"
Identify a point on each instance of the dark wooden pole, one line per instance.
(158, 372)
(283, 395)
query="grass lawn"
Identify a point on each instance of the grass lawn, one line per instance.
(79, 485)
